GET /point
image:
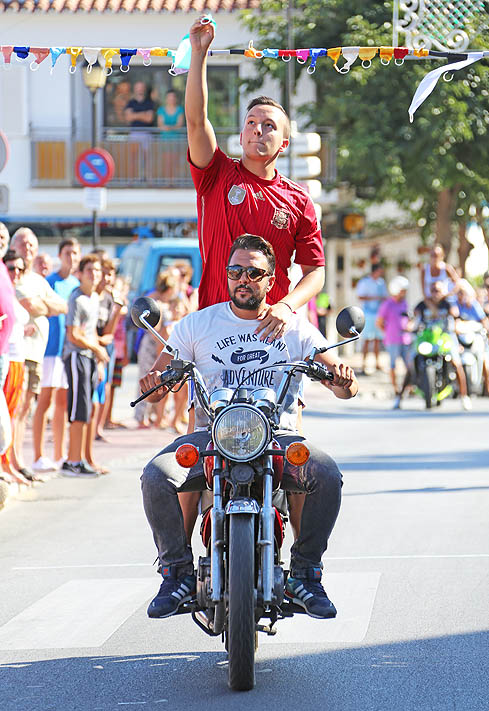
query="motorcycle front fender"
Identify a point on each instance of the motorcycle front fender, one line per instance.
(242, 506)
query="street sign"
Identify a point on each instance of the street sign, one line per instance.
(95, 199)
(4, 199)
(94, 167)
(4, 150)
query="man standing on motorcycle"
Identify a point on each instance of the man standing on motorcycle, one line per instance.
(211, 338)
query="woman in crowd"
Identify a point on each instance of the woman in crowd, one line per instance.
(166, 295)
(14, 384)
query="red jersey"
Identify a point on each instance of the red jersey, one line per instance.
(231, 201)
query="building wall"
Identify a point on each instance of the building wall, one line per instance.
(41, 100)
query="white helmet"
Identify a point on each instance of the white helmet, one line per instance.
(398, 284)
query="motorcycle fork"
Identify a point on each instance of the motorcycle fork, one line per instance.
(217, 533)
(266, 533)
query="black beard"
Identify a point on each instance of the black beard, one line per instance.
(250, 305)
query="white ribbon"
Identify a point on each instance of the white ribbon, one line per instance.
(91, 56)
(350, 54)
(429, 82)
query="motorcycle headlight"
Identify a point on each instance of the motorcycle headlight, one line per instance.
(425, 348)
(240, 432)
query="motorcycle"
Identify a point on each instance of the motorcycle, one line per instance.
(435, 374)
(240, 580)
(473, 339)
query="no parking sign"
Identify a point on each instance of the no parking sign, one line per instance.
(94, 167)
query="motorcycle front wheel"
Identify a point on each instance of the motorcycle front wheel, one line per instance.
(241, 615)
(428, 377)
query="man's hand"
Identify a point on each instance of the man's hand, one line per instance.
(101, 354)
(100, 371)
(201, 36)
(149, 381)
(273, 321)
(344, 380)
(106, 339)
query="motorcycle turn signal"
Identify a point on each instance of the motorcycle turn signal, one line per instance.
(297, 454)
(187, 455)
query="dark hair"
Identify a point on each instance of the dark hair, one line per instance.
(375, 267)
(89, 259)
(267, 101)
(10, 255)
(254, 243)
(68, 242)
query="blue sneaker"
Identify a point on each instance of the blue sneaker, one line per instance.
(173, 592)
(310, 594)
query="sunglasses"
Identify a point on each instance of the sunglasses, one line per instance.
(235, 272)
(13, 268)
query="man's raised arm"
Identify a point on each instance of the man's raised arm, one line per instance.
(201, 137)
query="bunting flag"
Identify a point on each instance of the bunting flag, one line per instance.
(343, 58)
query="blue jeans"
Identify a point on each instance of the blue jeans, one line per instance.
(320, 479)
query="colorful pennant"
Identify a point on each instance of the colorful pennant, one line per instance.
(181, 58)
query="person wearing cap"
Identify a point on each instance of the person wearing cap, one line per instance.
(392, 320)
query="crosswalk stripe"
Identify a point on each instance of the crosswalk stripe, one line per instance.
(85, 613)
(80, 613)
(353, 594)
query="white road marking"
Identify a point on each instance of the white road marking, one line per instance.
(80, 613)
(353, 595)
(328, 558)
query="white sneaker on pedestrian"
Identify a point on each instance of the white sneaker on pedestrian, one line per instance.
(466, 402)
(44, 464)
(59, 464)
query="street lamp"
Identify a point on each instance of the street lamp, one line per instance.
(94, 78)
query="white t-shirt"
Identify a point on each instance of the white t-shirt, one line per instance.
(16, 342)
(226, 350)
(32, 285)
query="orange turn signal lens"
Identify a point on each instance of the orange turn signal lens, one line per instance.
(187, 455)
(297, 454)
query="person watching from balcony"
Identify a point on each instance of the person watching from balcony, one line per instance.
(248, 196)
(140, 115)
(170, 119)
(140, 110)
(170, 116)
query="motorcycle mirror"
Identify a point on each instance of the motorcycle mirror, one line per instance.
(350, 321)
(145, 304)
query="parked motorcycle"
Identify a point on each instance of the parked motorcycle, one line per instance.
(240, 580)
(435, 373)
(472, 337)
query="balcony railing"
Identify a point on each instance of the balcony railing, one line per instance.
(143, 159)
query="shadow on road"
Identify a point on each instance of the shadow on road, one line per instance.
(351, 411)
(433, 674)
(454, 461)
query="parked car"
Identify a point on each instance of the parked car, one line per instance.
(143, 260)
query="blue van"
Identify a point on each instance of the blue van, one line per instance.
(142, 261)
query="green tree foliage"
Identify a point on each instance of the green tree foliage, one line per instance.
(439, 163)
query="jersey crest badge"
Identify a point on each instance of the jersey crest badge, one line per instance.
(280, 218)
(236, 195)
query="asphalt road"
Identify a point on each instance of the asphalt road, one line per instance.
(407, 567)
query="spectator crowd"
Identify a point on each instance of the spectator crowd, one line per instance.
(63, 348)
(64, 345)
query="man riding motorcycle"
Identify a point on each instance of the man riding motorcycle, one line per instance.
(221, 341)
(438, 310)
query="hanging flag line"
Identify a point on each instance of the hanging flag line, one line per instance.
(92, 55)
(181, 58)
